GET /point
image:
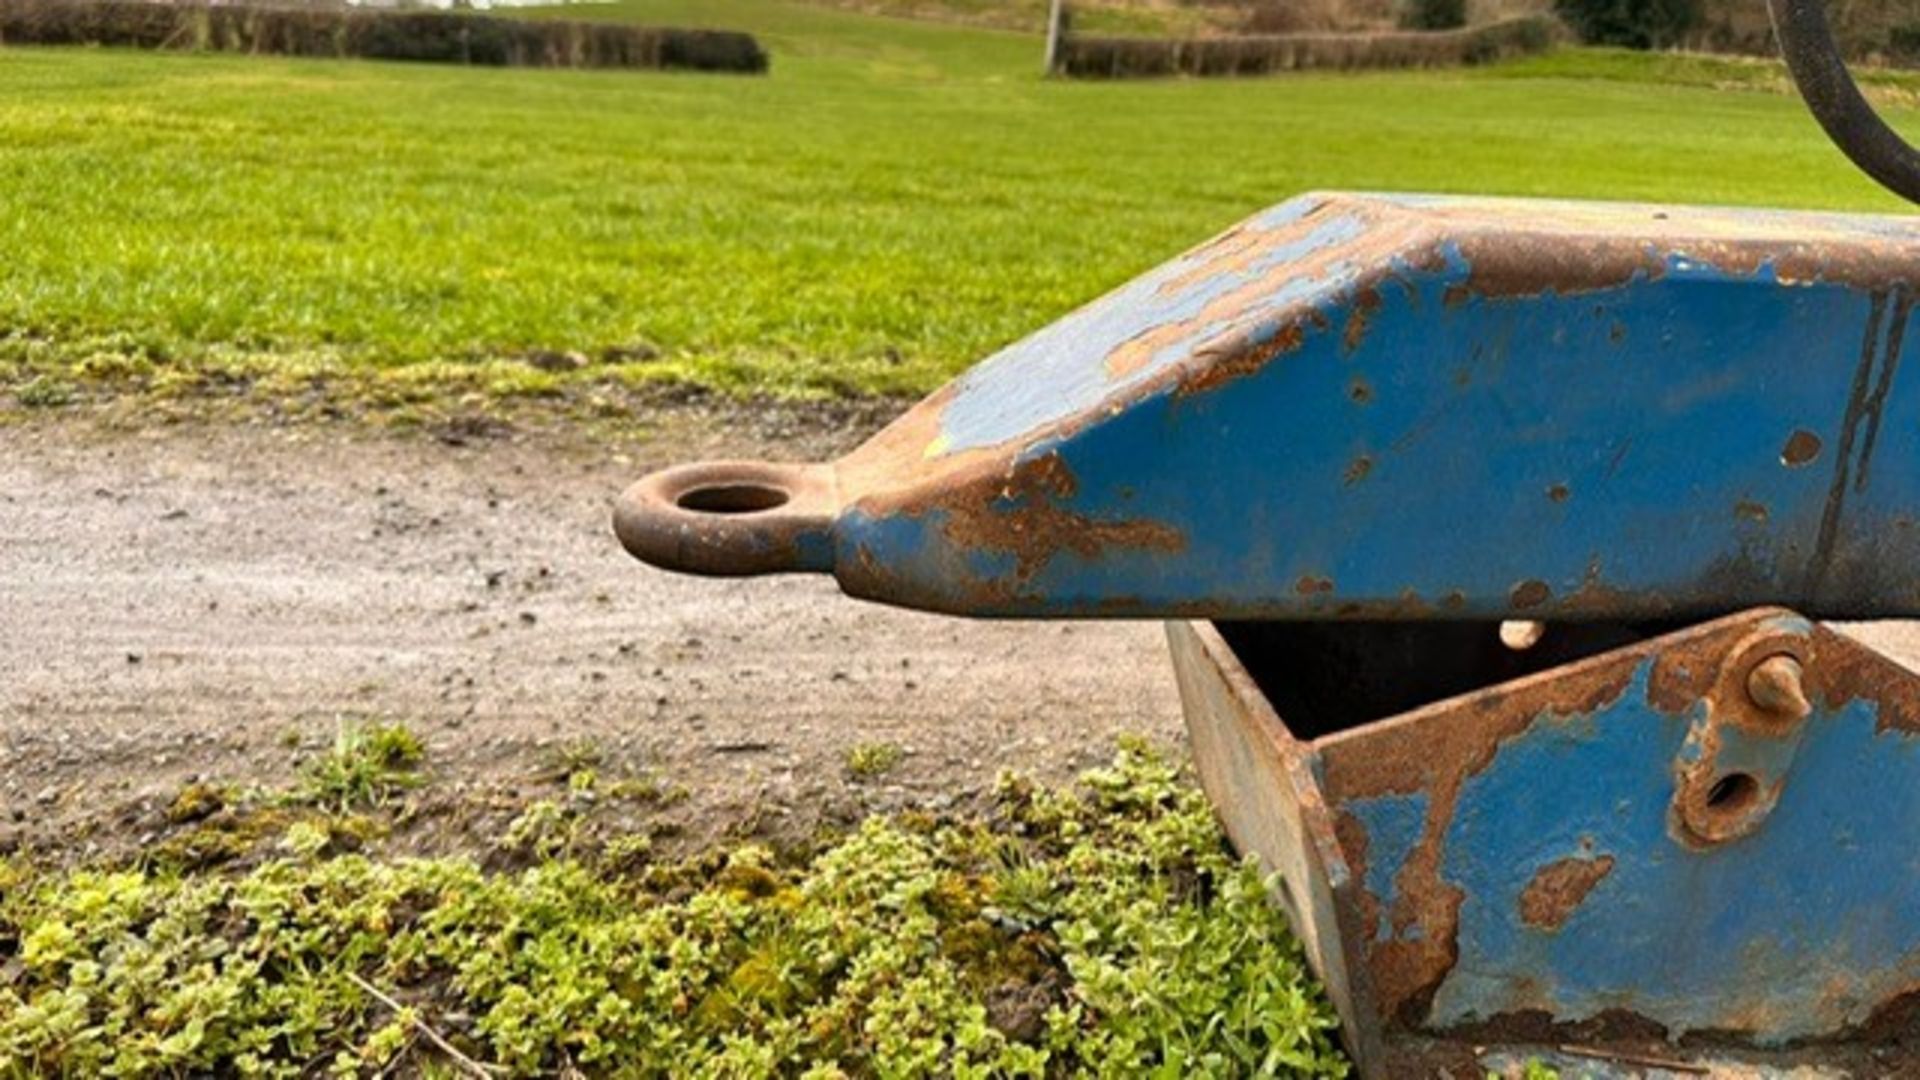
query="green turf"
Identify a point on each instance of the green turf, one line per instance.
(894, 201)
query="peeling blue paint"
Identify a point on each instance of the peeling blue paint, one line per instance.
(1770, 933)
(1393, 824)
(1631, 435)
(996, 400)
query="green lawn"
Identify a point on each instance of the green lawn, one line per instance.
(894, 201)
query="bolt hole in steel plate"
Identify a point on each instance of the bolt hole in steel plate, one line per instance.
(1733, 794)
(732, 499)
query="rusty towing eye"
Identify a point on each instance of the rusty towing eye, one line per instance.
(1666, 820)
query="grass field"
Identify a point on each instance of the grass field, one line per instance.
(894, 201)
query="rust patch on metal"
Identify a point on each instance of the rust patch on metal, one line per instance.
(1408, 606)
(1366, 301)
(988, 505)
(1558, 493)
(1224, 366)
(1802, 447)
(1749, 510)
(1597, 599)
(1559, 889)
(1242, 345)
(1357, 470)
(1035, 527)
(1017, 513)
(1515, 249)
(1311, 585)
(1225, 310)
(1529, 594)
(1682, 676)
(1840, 670)
(1413, 753)
(1531, 265)
(908, 445)
(1360, 391)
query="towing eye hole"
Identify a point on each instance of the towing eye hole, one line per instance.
(742, 498)
(731, 518)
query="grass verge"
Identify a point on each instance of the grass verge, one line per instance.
(1104, 929)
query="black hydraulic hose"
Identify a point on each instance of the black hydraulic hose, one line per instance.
(1818, 70)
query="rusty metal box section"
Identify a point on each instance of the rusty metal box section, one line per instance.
(1619, 861)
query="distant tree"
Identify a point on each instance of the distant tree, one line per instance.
(1434, 14)
(1636, 24)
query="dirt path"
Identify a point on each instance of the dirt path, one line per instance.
(212, 602)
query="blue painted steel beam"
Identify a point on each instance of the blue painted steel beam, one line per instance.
(1368, 406)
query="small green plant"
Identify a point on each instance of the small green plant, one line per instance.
(576, 755)
(623, 853)
(868, 760)
(645, 788)
(366, 765)
(306, 839)
(44, 392)
(544, 829)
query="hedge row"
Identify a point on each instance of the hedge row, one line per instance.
(1122, 58)
(1867, 31)
(433, 36)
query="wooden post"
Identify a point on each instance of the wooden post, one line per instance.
(1056, 29)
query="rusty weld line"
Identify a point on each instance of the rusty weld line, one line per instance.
(1859, 401)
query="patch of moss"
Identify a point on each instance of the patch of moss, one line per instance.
(196, 801)
(223, 836)
(893, 951)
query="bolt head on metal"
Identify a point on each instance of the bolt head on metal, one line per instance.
(1778, 685)
(1522, 634)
